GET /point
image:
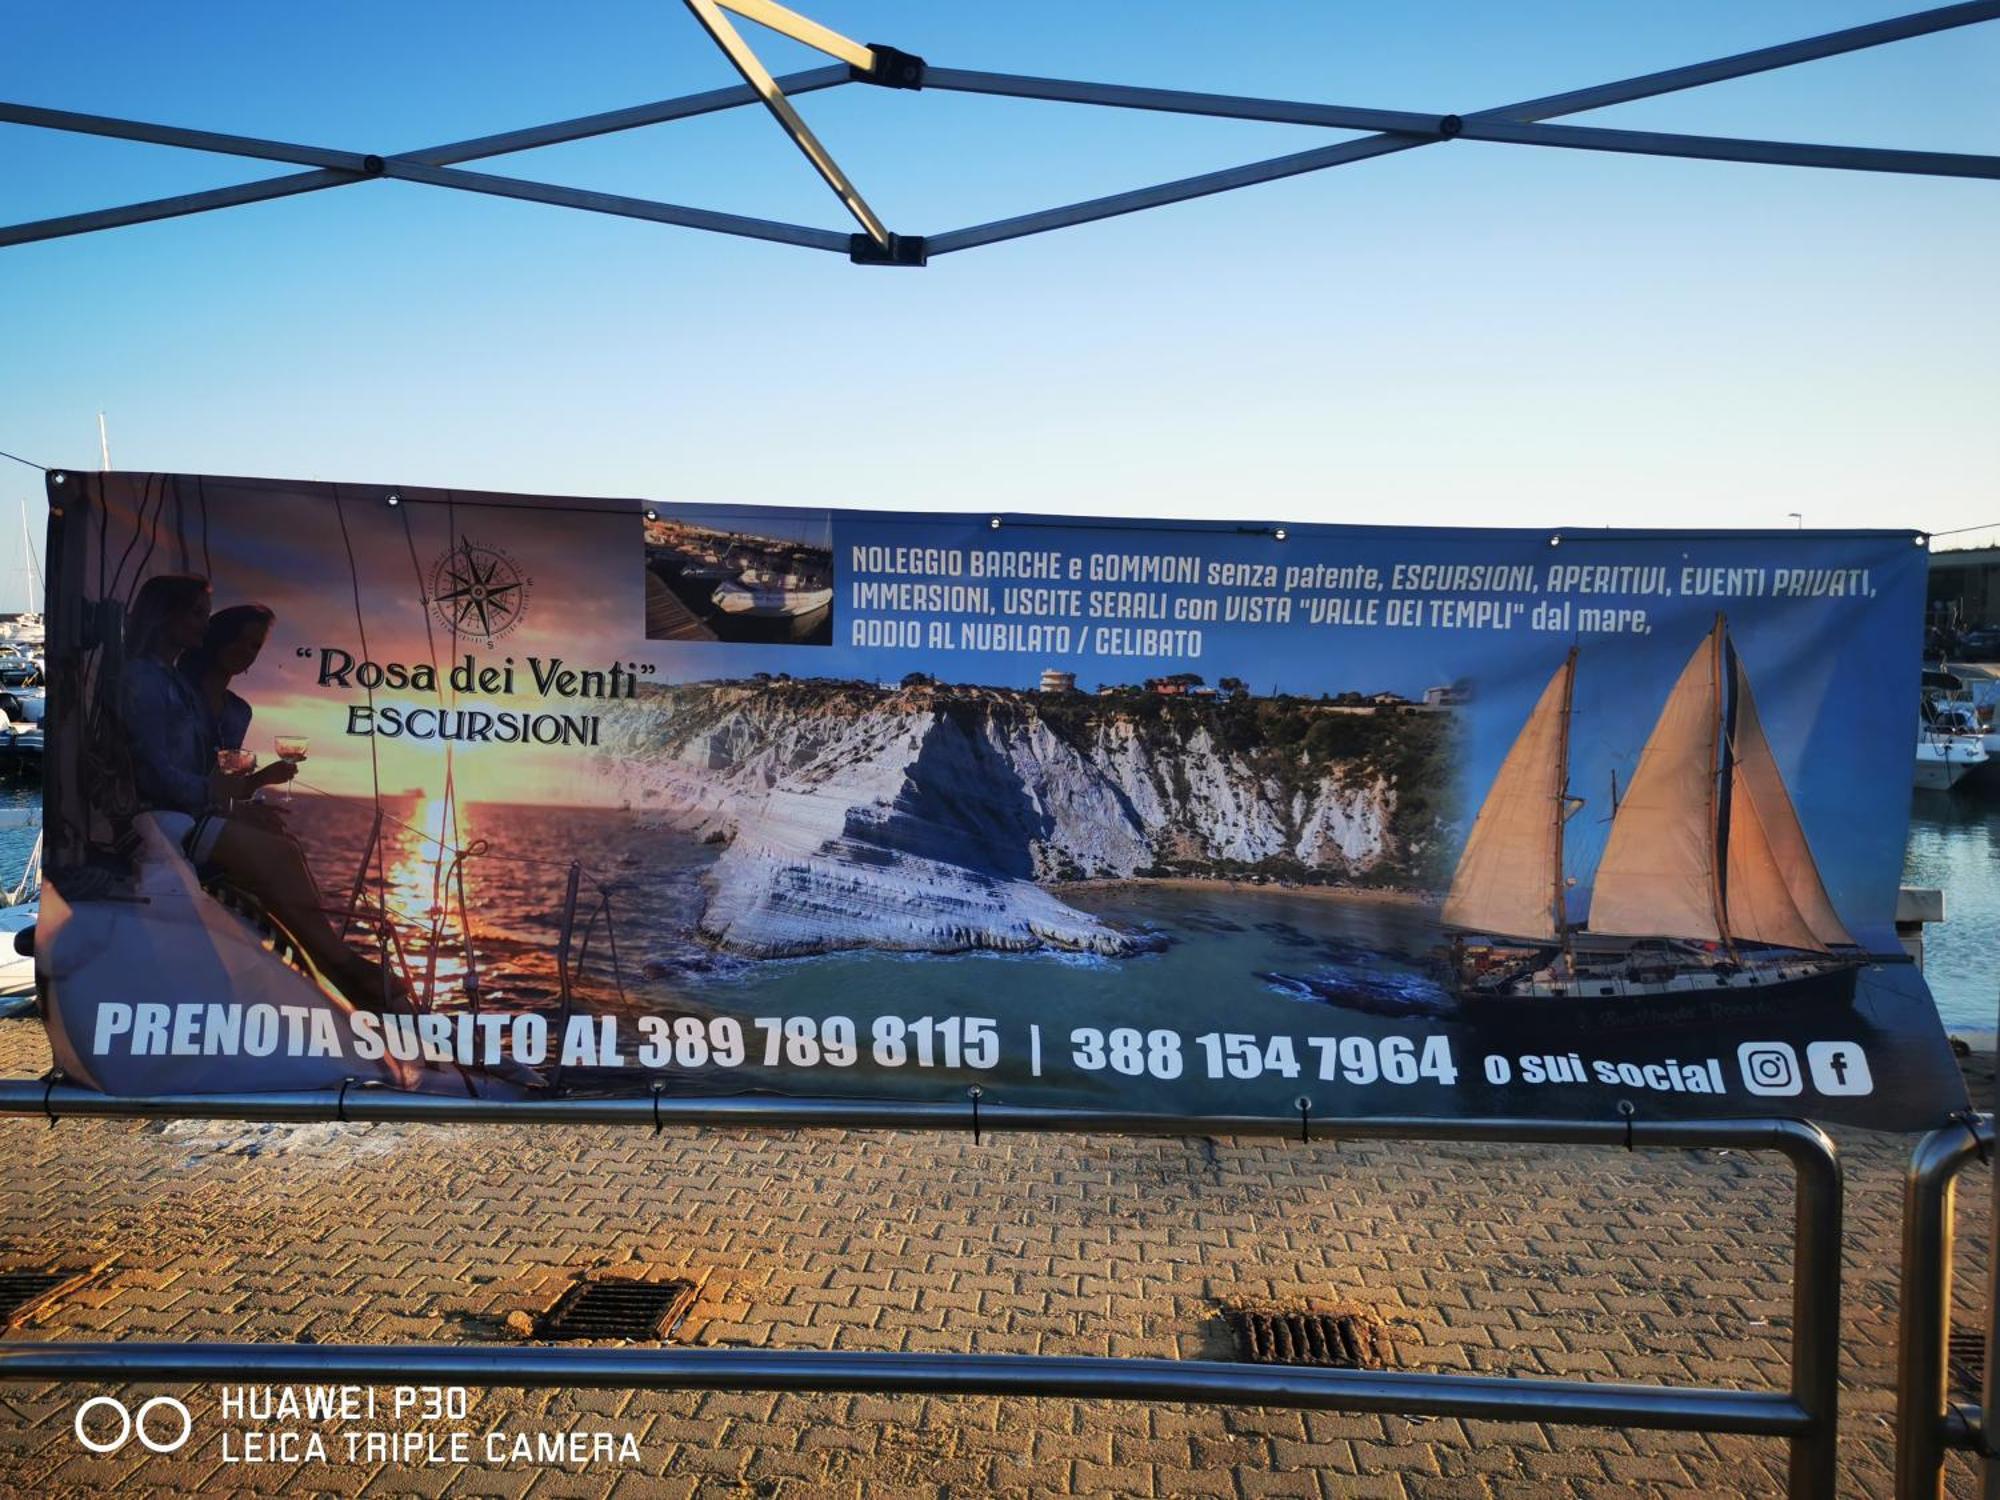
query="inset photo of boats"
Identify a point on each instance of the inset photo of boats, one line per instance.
(741, 575)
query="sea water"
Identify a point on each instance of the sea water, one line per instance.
(639, 894)
(1955, 847)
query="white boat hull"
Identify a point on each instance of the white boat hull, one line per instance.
(739, 599)
(1943, 761)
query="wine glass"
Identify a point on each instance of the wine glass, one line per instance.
(291, 748)
(234, 761)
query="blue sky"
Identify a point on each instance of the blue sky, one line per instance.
(1472, 334)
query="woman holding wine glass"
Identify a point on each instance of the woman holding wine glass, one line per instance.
(230, 645)
(197, 787)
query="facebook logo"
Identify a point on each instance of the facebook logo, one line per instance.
(1839, 1068)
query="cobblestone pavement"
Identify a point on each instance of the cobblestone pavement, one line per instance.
(1650, 1266)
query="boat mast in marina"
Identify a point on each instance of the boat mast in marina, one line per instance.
(29, 564)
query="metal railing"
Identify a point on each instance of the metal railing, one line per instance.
(1928, 1422)
(1805, 1415)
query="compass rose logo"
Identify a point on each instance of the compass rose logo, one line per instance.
(478, 591)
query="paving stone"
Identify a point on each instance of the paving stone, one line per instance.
(1652, 1266)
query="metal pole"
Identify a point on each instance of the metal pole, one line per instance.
(1645, 86)
(616, 203)
(1586, 1403)
(1816, 1224)
(754, 73)
(1486, 126)
(1806, 1415)
(33, 1096)
(1179, 101)
(1989, 1411)
(581, 128)
(1922, 1429)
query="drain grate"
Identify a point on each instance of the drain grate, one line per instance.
(1965, 1357)
(26, 1292)
(1299, 1338)
(617, 1309)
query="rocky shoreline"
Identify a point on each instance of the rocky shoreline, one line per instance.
(939, 819)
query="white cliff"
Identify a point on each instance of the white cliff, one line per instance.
(927, 818)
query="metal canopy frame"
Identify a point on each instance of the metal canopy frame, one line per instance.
(1391, 131)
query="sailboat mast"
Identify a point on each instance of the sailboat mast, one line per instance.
(1558, 905)
(28, 555)
(1718, 782)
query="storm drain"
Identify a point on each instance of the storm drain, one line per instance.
(1965, 1357)
(26, 1292)
(1300, 1338)
(617, 1309)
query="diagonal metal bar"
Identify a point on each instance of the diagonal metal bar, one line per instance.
(581, 128)
(175, 135)
(1727, 148)
(615, 203)
(685, 106)
(1483, 127)
(1761, 60)
(1178, 101)
(747, 63)
(804, 29)
(1623, 91)
(175, 207)
(1163, 193)
(1398, 131)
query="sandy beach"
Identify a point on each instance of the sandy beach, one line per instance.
(1382, 895)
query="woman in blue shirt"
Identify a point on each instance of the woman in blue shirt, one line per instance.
(229, 647)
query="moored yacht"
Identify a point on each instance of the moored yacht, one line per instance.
(1951, 744)
(767, 592)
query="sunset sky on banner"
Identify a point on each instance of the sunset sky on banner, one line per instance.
(1473, 334)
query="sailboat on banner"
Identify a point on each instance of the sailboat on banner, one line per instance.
(1706, 882)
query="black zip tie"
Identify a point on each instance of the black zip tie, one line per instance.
(340, 1104)
(1628, 1109)
(1305, 1108)
(658, 1089)
(973, 1094)
(48, 1089)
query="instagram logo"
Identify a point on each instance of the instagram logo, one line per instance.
(1769, 1068)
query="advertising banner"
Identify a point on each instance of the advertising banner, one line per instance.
(523, 797)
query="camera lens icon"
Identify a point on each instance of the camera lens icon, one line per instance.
(1769, 1068)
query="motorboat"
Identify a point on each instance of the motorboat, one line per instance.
(1975, 686)
(23, 629)
(765, 592)
(23, 705)
(1951, 744)
(21, 745)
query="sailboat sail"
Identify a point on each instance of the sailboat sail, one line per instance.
(1775, 894)
(1510, 881)
(1658, 876)
(1706, 844)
